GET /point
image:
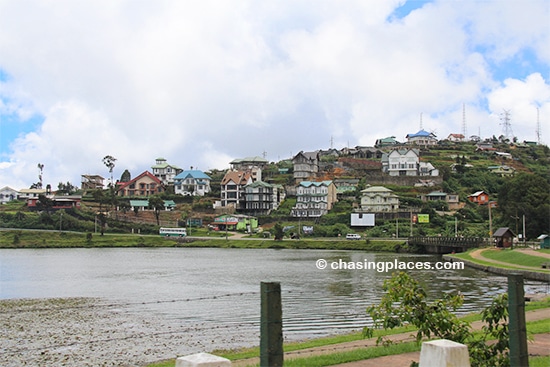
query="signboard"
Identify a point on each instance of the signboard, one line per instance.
(362, 219)
(423, 218)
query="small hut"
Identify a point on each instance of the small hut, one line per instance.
(504, 237)
(544, 241)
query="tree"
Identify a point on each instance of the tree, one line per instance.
(44, 203)
(126, 176)
(66, 188)
(157, 204)
(529, 195)
(405, 302)
(278, 232)
(109, 161)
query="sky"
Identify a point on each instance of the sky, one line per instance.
(201, 83)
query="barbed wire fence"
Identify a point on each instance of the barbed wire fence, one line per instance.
(292, 295)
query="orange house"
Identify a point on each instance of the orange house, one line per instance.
(480, 197)
(145, 184)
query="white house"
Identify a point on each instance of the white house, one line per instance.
(192, 182)
(232, 188)
(7, 194)
(378, 199)
(422, 138)
(314, 199)
(165, 172)
(402, 162)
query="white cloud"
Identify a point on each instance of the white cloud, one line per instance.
(203, 83)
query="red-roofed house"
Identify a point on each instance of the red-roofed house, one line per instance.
(232, 188)
(145, 184)
(455, 137)
(480, 197)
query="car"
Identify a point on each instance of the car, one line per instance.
(353, 236)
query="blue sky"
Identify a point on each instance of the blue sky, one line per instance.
(204, 83)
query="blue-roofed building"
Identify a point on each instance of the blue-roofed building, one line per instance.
(192, 182)
(422, 138)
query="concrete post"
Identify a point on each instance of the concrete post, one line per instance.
(519, 355)
(271, 326)
(444, 353)
(202, 360)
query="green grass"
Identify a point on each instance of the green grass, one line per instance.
(50, 239)
(539, 361)
(515, 257)
(56, 239)
(533, 327)
(468, 257)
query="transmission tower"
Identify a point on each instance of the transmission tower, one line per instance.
(464, 131)
(507, 126)
(538, 128)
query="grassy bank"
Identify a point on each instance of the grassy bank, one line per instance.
(57, 239)
(533, 327)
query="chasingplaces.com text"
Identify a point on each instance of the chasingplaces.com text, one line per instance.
(384, 266)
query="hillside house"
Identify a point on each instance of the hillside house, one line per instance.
(25, 194)
(91, 182)
(314, 199)
(145, 185)
(456, 138)
(57, 202)
(401, 162)
(378, 199)
(386, 142)
(503, 171)
(306, 166)
(232, 188)
(421, 138)
(261, 197)
(7, 194)
(479, 197)
(254, 165)
(452, 200)
(192, 183)
(165, 172)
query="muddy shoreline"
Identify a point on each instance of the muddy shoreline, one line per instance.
(89, 332)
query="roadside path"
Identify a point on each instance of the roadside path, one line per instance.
(398, 359)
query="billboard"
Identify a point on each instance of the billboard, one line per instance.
(423, 218)
(362, 219)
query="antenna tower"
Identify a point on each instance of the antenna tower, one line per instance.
(420, 120)
(538, 127)
(331, 142)
(464, 131)
(507, 126)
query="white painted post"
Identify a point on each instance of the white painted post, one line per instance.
(444, 353)
(202, 360)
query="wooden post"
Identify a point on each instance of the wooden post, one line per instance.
(519, 355)
(271, 326)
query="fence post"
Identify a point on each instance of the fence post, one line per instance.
(519, 356)
(271, 326)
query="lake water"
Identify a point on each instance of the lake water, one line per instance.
(220, 287)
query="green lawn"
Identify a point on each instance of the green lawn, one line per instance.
(514, 257)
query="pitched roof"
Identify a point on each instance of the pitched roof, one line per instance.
(122, 185)
(255, 159)
(238, 177)
(502, 231)
(421, 134)
(196, 174)
(315, 183)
